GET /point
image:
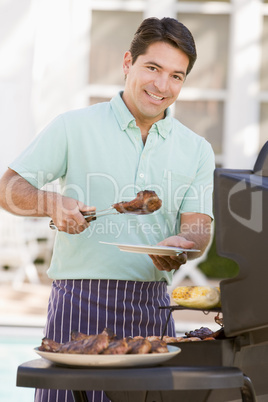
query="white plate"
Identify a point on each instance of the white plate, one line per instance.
(109, 360)
(153, 250)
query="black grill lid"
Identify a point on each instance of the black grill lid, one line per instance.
(261, 165)
(241, 223)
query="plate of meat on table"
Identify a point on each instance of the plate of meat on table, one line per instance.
(104, 350)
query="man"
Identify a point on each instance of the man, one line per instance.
(104, 154)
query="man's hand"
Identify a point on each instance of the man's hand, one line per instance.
(164, 263)
(67, 215)
(195, 231)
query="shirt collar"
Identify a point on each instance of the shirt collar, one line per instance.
(124, 117)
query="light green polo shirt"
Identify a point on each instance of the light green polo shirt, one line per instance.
(99, 158)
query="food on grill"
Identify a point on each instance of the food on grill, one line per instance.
(219, 303)
(200, 297)
(206, 334)
(190, 339)
(201, 333)
(170, 339)
(146, 202)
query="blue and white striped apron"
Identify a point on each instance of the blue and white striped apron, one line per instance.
(128, 308)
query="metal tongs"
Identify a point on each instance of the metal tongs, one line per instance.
(91, 216)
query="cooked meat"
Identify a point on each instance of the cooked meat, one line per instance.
(79, 336)
(118, 347)
(96, 344)
(93, 345)
(49, 346)
(152, 338)
(111, 335)
(106, 343)
(220, 334)
(192, 339)
(73, 347)
(170, 339)
(159, 346)
(139, 346)
(146, 202)
(202, 333)
(135, 337)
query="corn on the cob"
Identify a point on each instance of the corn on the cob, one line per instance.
(203, 297)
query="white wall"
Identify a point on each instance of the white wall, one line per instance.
(242, 129)
(16, 55)
(44, 67)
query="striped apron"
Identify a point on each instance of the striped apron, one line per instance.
(128, 308)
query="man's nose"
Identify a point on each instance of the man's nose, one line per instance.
(161, 83)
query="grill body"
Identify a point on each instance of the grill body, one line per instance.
(241, 223)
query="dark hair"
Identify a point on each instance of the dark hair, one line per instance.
(167, 30)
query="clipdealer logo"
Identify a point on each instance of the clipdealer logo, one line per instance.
(255, 221)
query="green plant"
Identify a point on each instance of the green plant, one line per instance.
(218, 267)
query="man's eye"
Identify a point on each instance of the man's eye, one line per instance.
(178, 77)
(152, 68)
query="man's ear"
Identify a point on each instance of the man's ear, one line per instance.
(127, 62)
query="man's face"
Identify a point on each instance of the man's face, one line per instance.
(154, 81)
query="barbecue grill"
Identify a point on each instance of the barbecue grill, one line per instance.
(241, 222)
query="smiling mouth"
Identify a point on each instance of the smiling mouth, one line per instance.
(155, 97)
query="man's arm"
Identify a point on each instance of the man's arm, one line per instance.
(21, 198)
(195, 232)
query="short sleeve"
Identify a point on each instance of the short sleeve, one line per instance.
(45, 159)
(199, 196)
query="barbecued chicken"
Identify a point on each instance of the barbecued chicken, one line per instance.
(117, 347)
(103, 344)
(92, 345)
(48, 345)
(146, 202)
(79, 344)
(139, 346)
(77, 336)
(159, 346)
